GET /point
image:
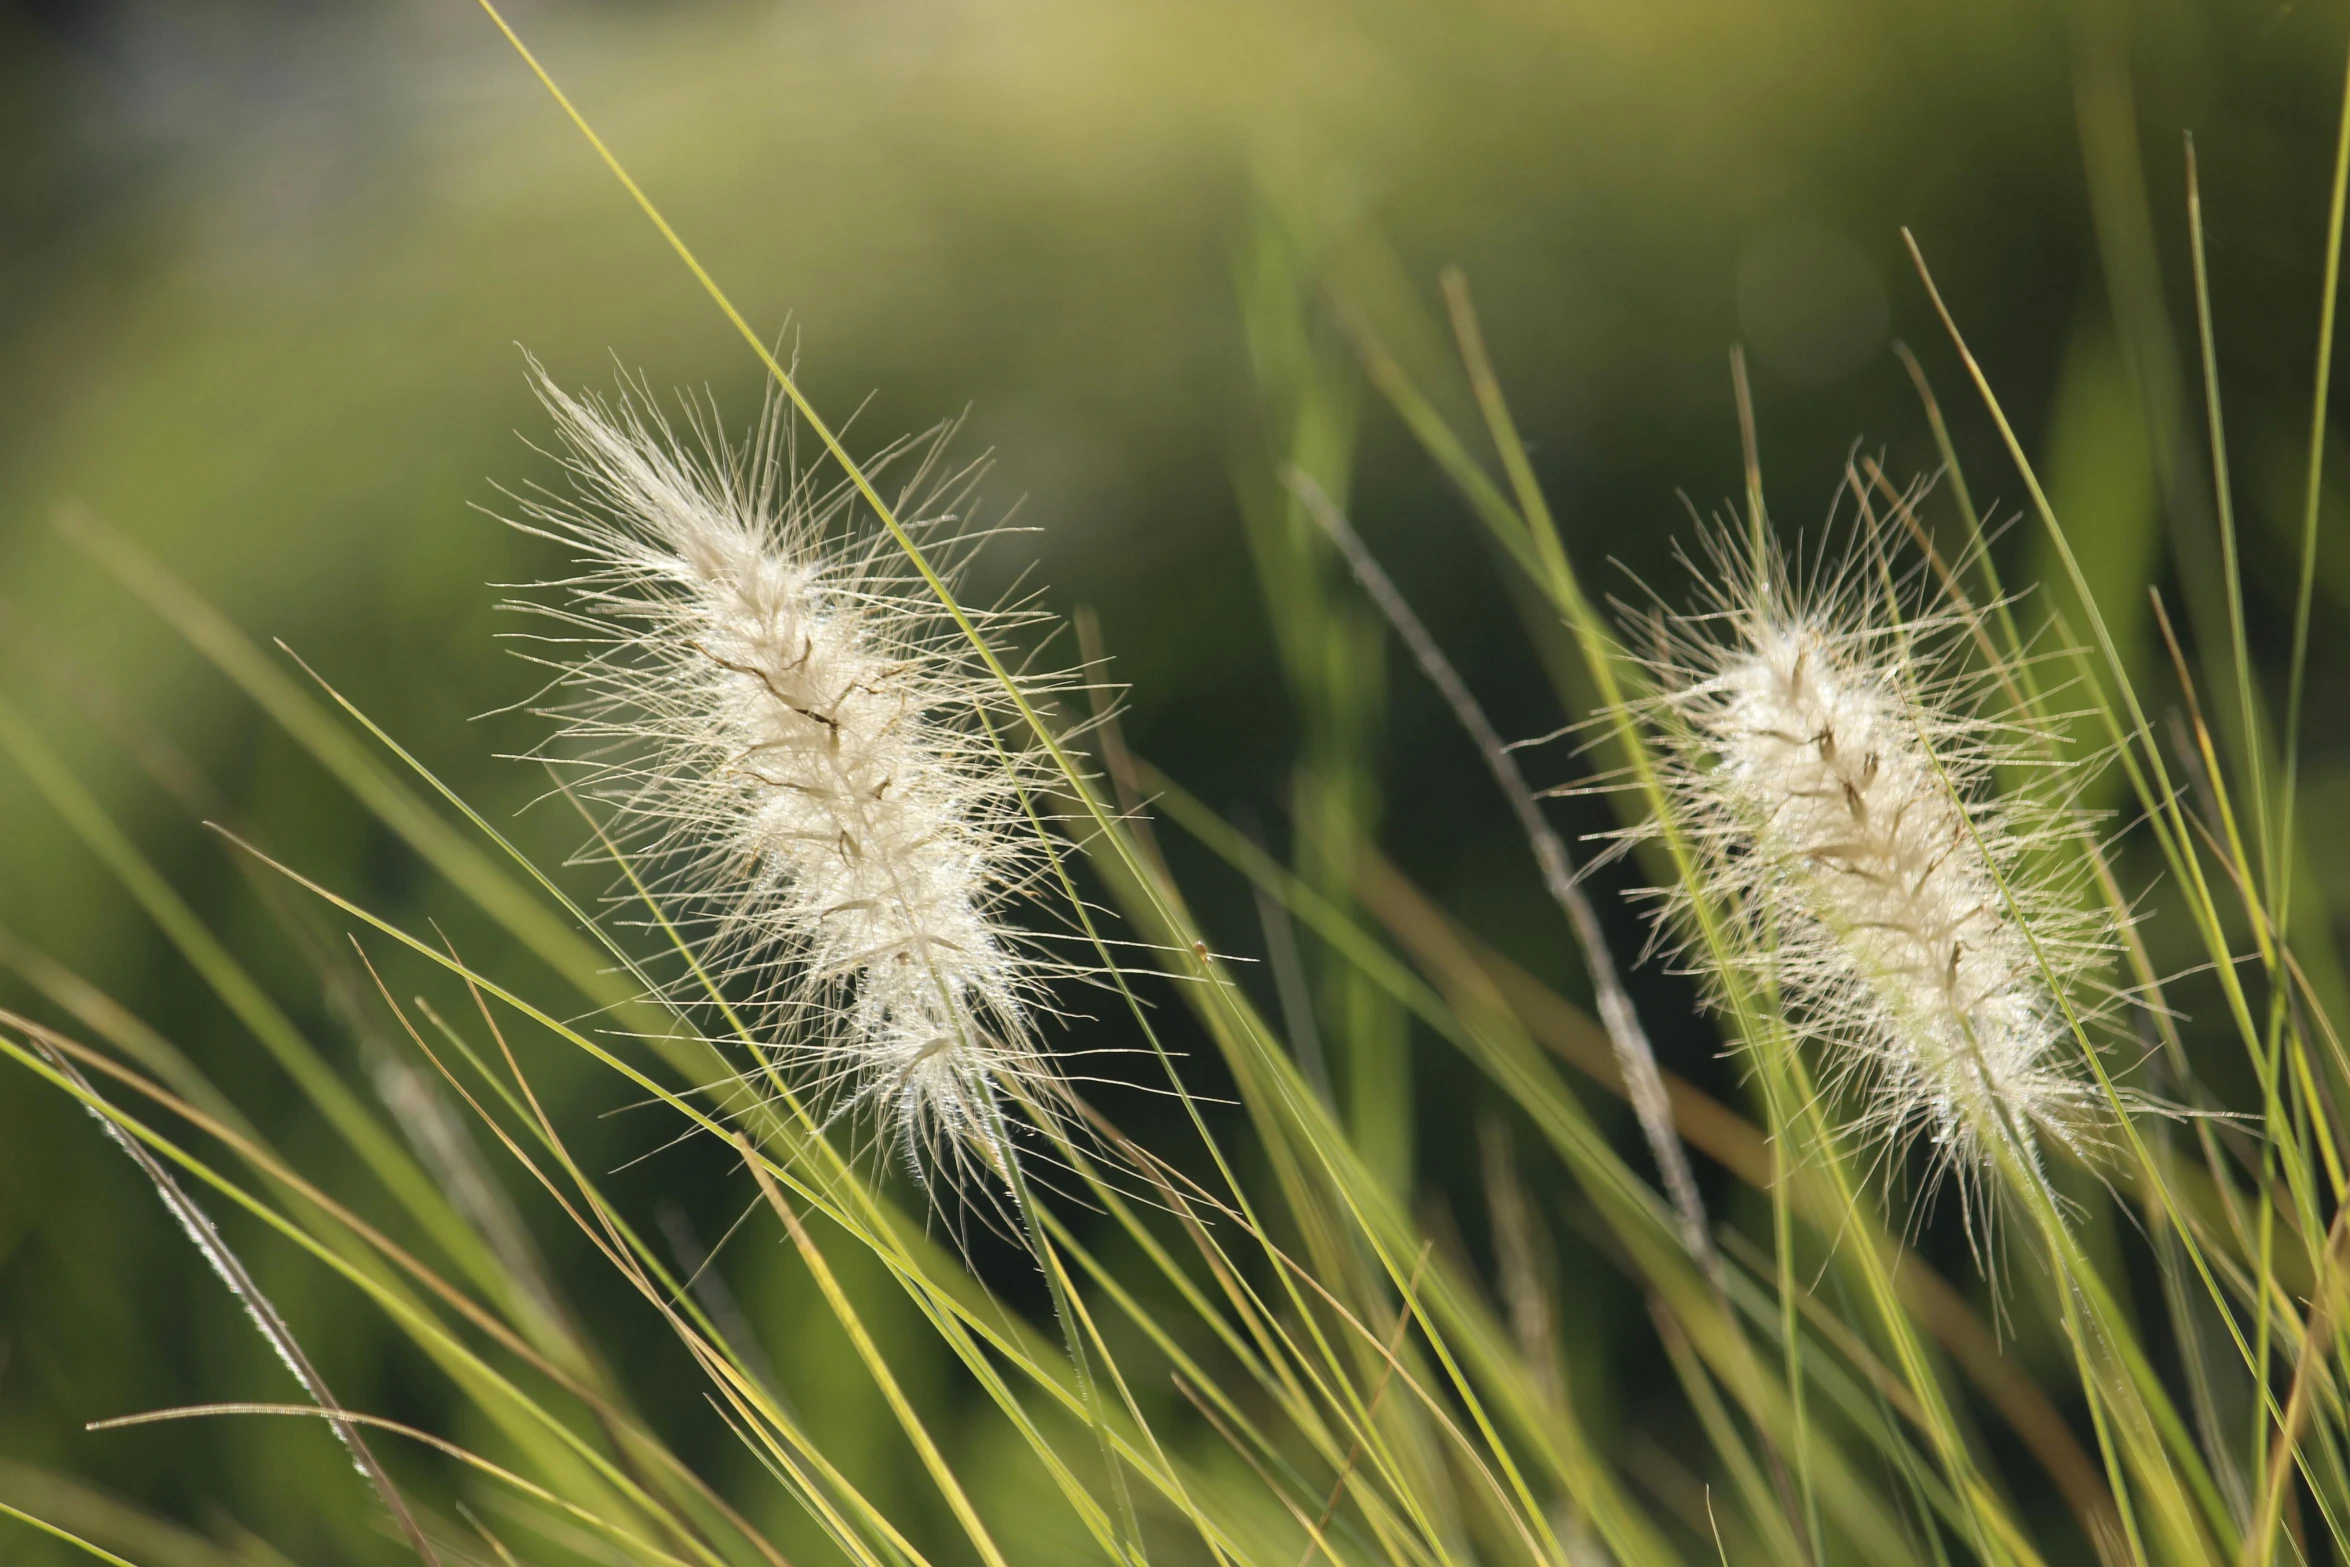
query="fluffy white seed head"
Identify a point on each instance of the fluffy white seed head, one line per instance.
(806, 763)
(1889, 857)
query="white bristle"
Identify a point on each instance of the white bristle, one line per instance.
(797, 742)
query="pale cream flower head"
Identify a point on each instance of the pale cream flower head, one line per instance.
(1895, 857)
(805, 761)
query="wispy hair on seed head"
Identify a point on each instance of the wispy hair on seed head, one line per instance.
(817, 781)
(1891, 851)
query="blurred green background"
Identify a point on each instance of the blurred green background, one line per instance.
(263, 273)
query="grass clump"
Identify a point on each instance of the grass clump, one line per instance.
(837, 811)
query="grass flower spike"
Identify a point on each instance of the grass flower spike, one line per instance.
(1835, 756)
(798, 745)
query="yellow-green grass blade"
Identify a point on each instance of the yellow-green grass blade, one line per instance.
(489, 1387)
(2251, 738)
(70, 1538)
(2328, 299)
(375, 1144)
(282, 697)
(108, 1520)
(513, 907)
(341, 1223)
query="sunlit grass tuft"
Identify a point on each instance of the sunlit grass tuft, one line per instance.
(1249, 1336)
